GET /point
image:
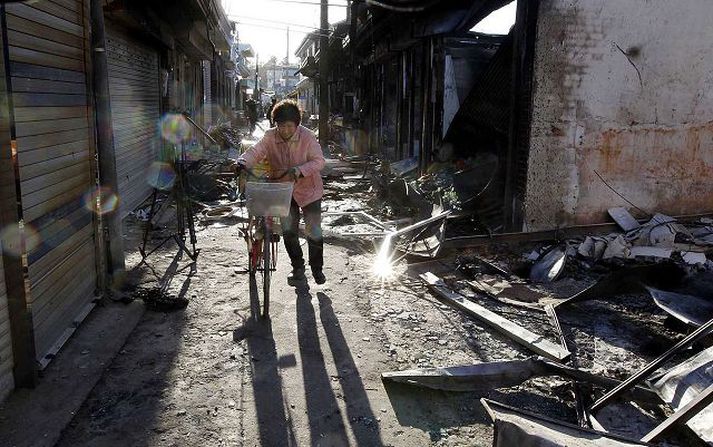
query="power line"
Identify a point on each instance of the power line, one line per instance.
(262, 25)
(619, 194)
(297, 29)
(241, 18)
(283, 28)
(416, 6)
(299, 2)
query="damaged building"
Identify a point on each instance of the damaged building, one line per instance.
(577, 105)
(621, 91)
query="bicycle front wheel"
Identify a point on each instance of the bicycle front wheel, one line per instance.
(266, 269)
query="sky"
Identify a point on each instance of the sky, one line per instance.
(263, 23)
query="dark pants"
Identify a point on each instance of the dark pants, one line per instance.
(313, 228)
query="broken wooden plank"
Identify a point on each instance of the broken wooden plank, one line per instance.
(532, 341)
(623, 218)
(503, 374)
(691, 409)
(515, 427)
(478, 377)
(654, 365)
(583, 416)
(683, 383)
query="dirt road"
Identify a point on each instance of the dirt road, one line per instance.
(311, 377)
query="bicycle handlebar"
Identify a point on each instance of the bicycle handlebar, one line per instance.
(252, 173)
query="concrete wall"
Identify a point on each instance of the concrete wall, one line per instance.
(624, 88)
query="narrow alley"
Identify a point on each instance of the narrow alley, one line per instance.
(356, 223)
(311, 375)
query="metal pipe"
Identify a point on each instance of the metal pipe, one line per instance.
(108, 179)
(15, 266)
(366, 216)
(640, 375)
(323, 69)
(207, 135)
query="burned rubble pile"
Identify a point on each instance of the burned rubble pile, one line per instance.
(593, 311)
(226, 135)
(613, 324)
(400, 197)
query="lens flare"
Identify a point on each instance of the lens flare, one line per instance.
(175, 128)
(383, 266)
(161, 175)
(101, 200)
(11, 234)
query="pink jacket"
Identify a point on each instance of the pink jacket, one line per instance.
(302, 151)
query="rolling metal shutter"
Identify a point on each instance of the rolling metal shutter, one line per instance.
(48, 46)
(135, 106)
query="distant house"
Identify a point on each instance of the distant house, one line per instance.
(281, 78)
(306, 90)
(243, 51)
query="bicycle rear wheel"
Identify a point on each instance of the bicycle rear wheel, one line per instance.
(266, 268)
(253, 284)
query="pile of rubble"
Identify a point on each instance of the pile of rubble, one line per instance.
(225, 135)
(660, 238)
(661, 260)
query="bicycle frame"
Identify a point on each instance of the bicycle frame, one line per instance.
(261, 240)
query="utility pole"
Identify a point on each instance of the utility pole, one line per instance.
(323, 69)
(287, 55)
(257, 66)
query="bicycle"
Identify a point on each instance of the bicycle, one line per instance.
(264, 200)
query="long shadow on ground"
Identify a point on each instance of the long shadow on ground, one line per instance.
(274, 426)
(325, 421)
(121, 412)
(361, 416)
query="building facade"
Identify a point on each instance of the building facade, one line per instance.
(53, 215)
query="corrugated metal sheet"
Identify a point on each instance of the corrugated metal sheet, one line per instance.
(49, 53)
(208, 95)
(135, 107)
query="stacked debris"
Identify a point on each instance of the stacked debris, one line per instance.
(660, 238)
(526, 303)
(225, 135)
(673, 284)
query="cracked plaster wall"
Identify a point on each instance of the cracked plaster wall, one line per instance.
(623, 88)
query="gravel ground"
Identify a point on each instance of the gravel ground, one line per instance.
(312, 376)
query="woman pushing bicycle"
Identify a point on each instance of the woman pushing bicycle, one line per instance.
(293, 149)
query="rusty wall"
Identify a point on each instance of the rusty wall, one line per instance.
(623, 89)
